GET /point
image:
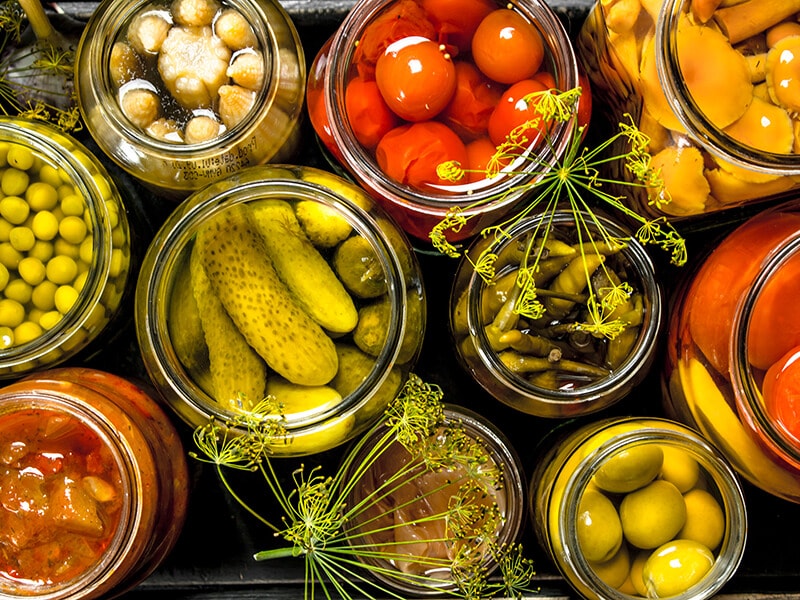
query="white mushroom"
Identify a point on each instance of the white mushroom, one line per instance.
(233, 29)
(140, 105)
(148, 30)
(201, 128)
(195, 13)
(234, 103)
(247, 69)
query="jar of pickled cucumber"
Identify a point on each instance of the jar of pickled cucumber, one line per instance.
(95, 485)
(638, 507)
(181, 93)
(733, 338)
(567, 324)
(404, 499)
(65, 248)
(282, 291)
(713, 87)
(404, 87)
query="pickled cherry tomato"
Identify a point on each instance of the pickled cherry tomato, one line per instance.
(411, 153)
(367, 113)
(514, 111)
(781, 391)
(479, 154)
(416, 78)
(473, 101)
(506, 47)
(457, 20)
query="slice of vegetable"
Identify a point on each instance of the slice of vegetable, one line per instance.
(781, 391)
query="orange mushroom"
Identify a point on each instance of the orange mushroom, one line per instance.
(682, 172)
(764, 126)
(783, 73)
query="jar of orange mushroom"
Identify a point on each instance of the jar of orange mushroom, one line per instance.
(180, 93)
(714, 85)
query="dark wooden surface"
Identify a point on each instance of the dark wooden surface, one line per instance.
(213, 557)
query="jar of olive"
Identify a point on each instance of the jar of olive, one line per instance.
(182, 93)
(282, 291)
(65, 247)
(404, 87)
(730, 368)
(638, 507)
(567, 322)
(712, 86)
(94, 479)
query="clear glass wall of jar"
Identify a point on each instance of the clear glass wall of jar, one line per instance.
(410, 189)
(551, 366)
(182, 94)
(613, 501)
(116, 482)
(668, 66)
(732, 336)
(219, 336)
(65, 258)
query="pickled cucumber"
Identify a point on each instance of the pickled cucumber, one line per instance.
(359, 268)
(185, 328)
(355, 367)
(373, 325)
(260, 305)
(302, 401)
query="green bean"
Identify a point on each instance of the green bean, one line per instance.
(619, 348)
(547, 380)
(523, 364)
(572, 279)
(527, 343)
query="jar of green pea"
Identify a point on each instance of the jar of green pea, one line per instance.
(64, 247)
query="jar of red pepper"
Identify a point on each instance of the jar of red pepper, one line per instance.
(404, 87)
(731, 368)
(94, 485)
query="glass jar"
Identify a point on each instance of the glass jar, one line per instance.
(180, 94)
(638, 507)
(65, 254)
(100, 483)
(394, 152)
(553, 365)
(393, 493)
(731, 337)
(332, 352)
(666, 65)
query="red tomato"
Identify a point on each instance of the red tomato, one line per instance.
(368, 114)
(781, 390)
(410, 153)
(546, 78)
(585, 102)
(405, 18)
(727, 273)
(479, 153)
(416, 78)
(506, 47)
(514, 111)
(457, 20)
(473, 102)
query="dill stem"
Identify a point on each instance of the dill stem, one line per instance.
(287, 552)
(40, 24)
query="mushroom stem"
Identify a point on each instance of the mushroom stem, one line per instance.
(745, 20)
(703, 10)
(40, 24)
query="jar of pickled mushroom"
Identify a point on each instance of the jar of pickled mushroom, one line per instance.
(638, 507)
(407, 502)
(405, 86)
(713, 86)
(733, 337)
(568, 321)
(181, 93)
(94, 484)
(282, 291)
(65, 253)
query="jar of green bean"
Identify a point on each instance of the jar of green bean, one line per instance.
(566, 321)
(65, 249)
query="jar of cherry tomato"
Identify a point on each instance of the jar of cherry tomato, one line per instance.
(404, 87)
(638, 507)
(713, 87)
(65, 249)
(285, 283)
(733, 339)
(182, 93)
(556, 364)
(94, 484)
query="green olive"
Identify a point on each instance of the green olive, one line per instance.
(599, 529)
(630, 469)
(652, 515)
(675, 567)
(705, 519)
(680, 468)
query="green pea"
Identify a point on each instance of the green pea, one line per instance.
(41, 196)
(14, 209)
(80, 281)
(20, 290)
(9, 256)
(4, 276)
(65, 298)
(43, 296)
(73, 205)
(118, 263)
(64, 248)
(5, 230)
(6, 337)
(119, 237)
(103, 186)
(50, 319)
(32, 270)
(22, 238)
(12, 313)
(14, 182)
(42, 250)
(4, 148)
(61, 269)
(50, 175)
(72, 229)
(45, 225)
(86, 251)
(20, 157)
(96, 319)
(27, 332)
